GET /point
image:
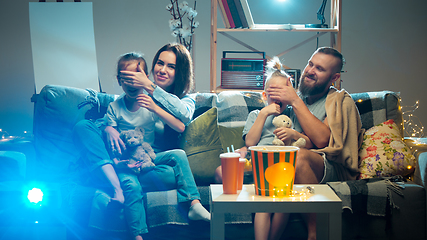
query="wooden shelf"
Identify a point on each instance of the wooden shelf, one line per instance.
(334, 30)
(272, 29)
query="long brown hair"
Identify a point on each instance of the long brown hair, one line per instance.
(184, 76)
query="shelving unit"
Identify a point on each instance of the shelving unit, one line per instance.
(334, 30)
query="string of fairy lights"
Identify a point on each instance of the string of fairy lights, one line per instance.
(411, 123)
(5, 136)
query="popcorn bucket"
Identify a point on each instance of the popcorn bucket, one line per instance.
(273, 169)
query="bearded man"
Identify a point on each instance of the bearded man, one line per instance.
(330, 119)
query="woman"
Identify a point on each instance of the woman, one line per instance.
(172, 72)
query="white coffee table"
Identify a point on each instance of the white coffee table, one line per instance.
(323, 201)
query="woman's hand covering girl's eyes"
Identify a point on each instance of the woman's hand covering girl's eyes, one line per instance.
(136, 79)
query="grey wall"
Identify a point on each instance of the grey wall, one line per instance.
(383, 43)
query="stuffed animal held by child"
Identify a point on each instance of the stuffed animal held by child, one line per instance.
(285, 121)
(137, 151)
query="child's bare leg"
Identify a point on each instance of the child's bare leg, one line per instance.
(218, 174)
(262, 222)
(310, 219)
(311, 226)
(110, 174)
(278, 225)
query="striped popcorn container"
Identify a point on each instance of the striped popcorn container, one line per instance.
(273, 169)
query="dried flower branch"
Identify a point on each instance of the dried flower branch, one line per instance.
(182, 31)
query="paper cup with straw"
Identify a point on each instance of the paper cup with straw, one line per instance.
(230, 168)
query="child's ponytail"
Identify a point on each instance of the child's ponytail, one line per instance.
(274, 68)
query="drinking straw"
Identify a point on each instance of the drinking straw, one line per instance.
(232, 148)
(228, 149)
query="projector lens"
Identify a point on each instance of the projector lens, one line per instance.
(35, 195)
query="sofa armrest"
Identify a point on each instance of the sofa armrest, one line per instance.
(24, 146)
(56, 110)
(419, 148)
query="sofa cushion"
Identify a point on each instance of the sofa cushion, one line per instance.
(233, 106)
(383, 152)
(204, 102)
(377, 107)
(231, 136)
(201, 142)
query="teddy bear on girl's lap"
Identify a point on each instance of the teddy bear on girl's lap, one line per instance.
(138, 151)
(285, 121)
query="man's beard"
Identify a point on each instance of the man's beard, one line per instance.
(307, 91)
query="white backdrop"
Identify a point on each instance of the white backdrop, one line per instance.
(63, 44)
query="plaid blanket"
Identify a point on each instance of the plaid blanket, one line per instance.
(370, 196)
(378, 107)
(233, 106)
